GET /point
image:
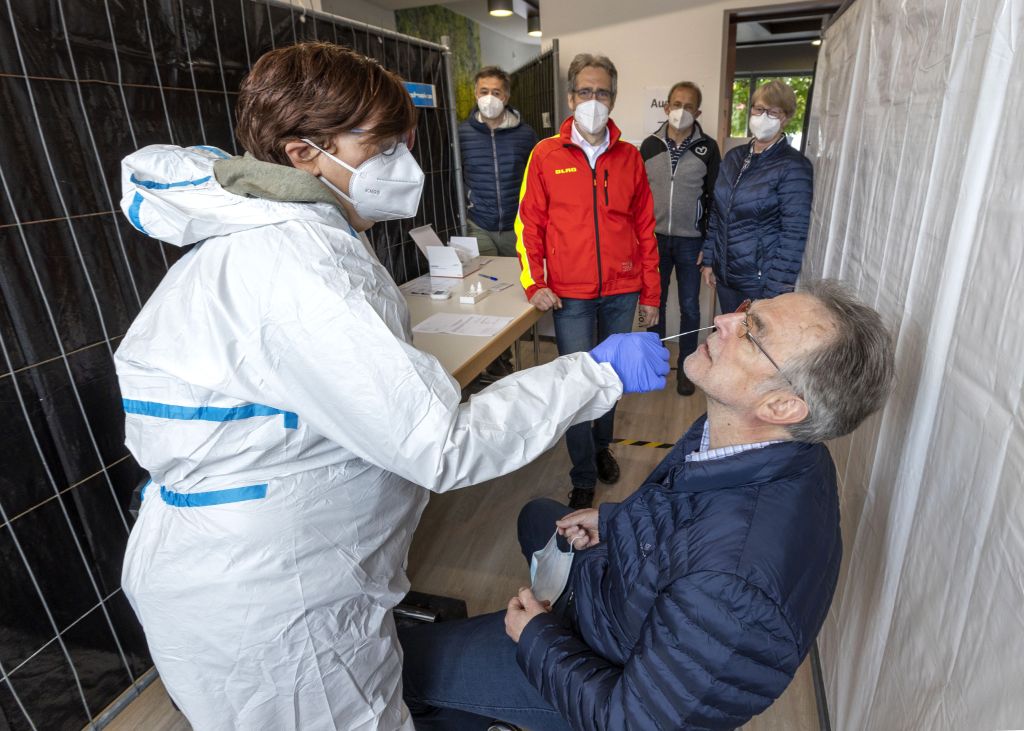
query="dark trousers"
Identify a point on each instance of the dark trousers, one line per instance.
(680, 253)
(460, 675)
(730, 299)
(579, 326)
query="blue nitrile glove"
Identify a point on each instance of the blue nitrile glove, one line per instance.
(639, 360)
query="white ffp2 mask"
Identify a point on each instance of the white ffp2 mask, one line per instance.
(490, 106)
(680, 119)
(591, 116)
(549, 571)
(383, 188)
(764, 127)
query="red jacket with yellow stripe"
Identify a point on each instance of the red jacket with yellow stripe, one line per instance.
(593, 227)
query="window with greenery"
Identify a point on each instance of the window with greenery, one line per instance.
(740, 107)
(743, 87)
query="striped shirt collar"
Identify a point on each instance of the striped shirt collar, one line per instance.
(704, 454)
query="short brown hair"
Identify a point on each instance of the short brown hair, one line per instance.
(776, 94)
(317, 90)
(585, 60)
(686, 85)
(494, 72)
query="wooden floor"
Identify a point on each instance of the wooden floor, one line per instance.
(466, 545)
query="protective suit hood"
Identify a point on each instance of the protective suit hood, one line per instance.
(175, 194)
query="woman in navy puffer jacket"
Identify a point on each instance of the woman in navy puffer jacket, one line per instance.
(762, 208)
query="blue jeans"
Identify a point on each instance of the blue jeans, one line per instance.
(680, 252)
(730, 299)
(459, 675)
(579, 326)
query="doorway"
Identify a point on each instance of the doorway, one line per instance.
(780, 43)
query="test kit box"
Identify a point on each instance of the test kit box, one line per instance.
(459, 258)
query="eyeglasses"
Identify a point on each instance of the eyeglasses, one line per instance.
(587, 94)
(390, 148)
(757, 110)
(744, 309)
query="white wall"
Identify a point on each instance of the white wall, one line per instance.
(500, 50)
(653, 44)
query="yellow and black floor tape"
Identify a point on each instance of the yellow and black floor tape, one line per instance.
(641, 443)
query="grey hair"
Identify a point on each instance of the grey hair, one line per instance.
(850, 377)
(583, 60)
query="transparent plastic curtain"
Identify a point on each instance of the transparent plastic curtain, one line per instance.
(919, 205)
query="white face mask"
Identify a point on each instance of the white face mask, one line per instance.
(591, 116)
(764, 127)
(383, 188)
(490, 106)
(680, 119)
(549, 571)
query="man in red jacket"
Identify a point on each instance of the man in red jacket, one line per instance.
(586, 211)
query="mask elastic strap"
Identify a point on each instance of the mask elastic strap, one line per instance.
(338, 160)
(573, 541)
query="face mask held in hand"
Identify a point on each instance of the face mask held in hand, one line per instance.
(591, 116)
(549, 570)
(385, 187)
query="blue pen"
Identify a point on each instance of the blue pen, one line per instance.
(488, 276)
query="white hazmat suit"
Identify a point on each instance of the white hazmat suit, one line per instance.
(290, 428)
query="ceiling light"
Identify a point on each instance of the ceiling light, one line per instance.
(816, 42)
(499, 8)
(533, 26)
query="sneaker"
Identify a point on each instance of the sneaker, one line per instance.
(684, 386)
(581, 497)
(502, 726)
(607, 467)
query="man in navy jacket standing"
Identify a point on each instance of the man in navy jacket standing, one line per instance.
(693, 602)
(495, 145)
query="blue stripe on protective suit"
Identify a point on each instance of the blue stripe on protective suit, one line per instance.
(133, 209)
(133, 213)
(207, 413)
(153, 185)
(213, 497)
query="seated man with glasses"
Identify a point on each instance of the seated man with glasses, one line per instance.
(585, 240)
(692, 603)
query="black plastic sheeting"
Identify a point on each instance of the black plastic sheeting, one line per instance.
(82, 84)
(533, 90)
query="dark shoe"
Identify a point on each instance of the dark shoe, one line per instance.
(607, 467)
(684, 386)
(581, 497)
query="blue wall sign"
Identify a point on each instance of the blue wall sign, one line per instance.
(423, 95)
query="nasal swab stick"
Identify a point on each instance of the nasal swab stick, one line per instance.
(689, 332)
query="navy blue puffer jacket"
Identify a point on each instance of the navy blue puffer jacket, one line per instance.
(758, 227)
(492, 164)
(704, 595)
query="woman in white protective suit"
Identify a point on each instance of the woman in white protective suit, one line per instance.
(287, 422)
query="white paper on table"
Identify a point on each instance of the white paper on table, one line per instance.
(426, 284)
(456, 324)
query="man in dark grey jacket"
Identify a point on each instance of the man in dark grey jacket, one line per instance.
(690, 604)
(682, 165)
(495, 145)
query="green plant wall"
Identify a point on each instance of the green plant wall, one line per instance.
(432, 22)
